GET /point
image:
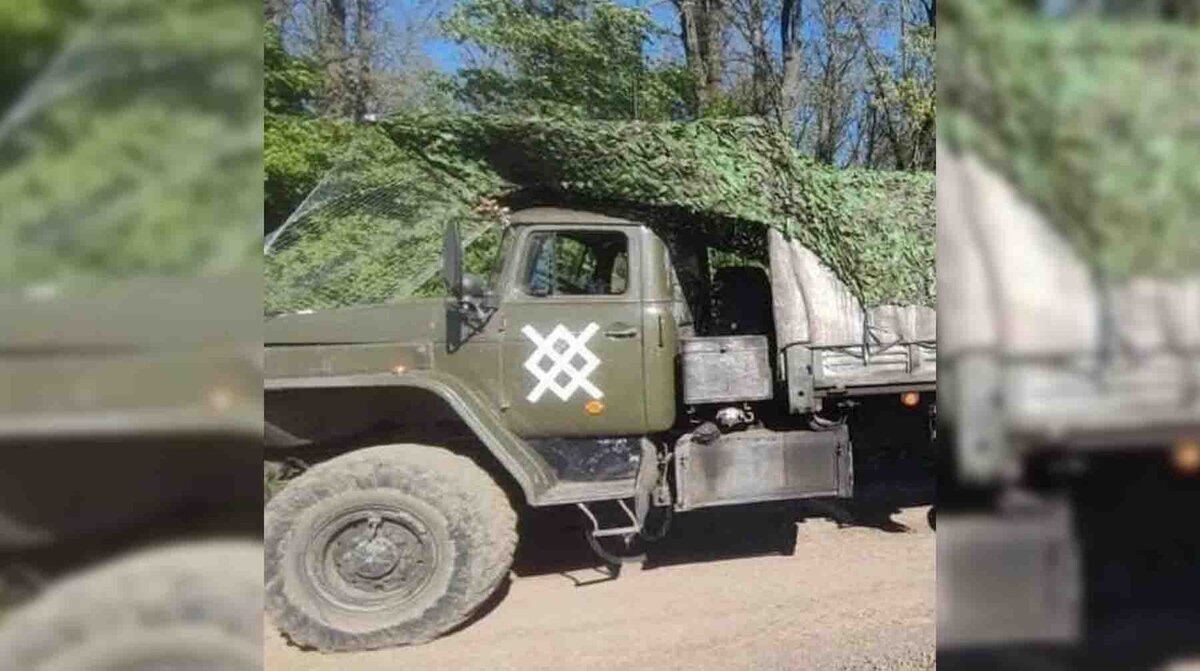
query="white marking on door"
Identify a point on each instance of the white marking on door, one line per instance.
(561, 348)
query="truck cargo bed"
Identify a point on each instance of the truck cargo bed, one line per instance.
(832, 344)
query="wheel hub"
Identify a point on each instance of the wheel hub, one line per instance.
(375, 558)
(386, 554)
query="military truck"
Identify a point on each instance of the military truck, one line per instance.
(608, 364)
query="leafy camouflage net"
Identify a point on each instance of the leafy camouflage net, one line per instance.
(371, 230)
(1095, 121)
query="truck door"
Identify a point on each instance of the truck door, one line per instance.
(572, 342)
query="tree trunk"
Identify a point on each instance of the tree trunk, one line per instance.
(762, 93)
(334, 59)
(364, 47)
(702, 29)
(714, 61)
(791, 46)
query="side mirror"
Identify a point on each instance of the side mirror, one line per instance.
(452, 271)
(473, 286)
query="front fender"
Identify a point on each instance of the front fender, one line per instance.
(527, 467)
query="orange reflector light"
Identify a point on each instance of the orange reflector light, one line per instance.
(1185, 457)
(910, 399)
(593, 407)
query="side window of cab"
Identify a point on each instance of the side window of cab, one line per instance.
(577, 263)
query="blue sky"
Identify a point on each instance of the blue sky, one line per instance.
(448, 56)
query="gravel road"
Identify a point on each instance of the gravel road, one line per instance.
(718, 595)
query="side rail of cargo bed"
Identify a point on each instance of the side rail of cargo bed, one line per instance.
(855, 370)
(1085, 401)
(1021, 405)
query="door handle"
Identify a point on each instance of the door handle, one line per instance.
(620, 330)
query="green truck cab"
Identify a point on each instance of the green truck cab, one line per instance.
(603, 362)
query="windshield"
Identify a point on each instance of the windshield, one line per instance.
(498, 262)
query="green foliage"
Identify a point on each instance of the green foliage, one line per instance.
(290, 84)
(726, 179)
(297, 150)
(298, 147)
(580, 58)
(32, 31)
(907, 94)
(1093, 120)
(132, 154)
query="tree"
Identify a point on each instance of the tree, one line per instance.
(850, 80)
(577, 58)
(904, 94)
(762, 92)
(371, 60)
(291, 84)
(364, 55)
(791, 49)
(297, 145)
(835, 89)
(702, 27)
(334, 58)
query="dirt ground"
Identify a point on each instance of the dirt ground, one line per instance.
(717, 595)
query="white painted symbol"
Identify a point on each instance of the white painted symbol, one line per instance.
(561, 349)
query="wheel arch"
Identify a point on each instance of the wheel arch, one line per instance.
(296, 410)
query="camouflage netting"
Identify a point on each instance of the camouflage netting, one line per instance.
(1094, 121)
(371, 230)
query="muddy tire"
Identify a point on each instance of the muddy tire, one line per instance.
(388, 545)
(194, 605)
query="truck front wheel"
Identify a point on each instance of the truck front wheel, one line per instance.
(190, 605)
(388, 545)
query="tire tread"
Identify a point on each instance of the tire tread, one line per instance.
(451, 479)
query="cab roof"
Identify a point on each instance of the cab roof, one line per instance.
(559, 215)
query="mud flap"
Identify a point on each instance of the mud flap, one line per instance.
(1008, 577)
(760, 465)
(647, 479)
